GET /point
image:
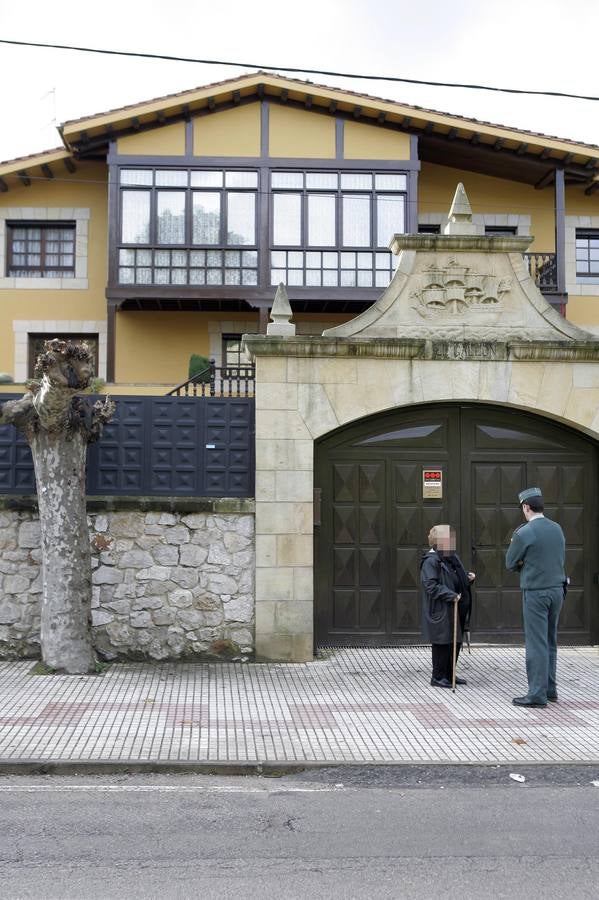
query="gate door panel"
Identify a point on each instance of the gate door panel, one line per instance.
(376, 515)
(375, 522)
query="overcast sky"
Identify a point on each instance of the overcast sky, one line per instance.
(535, 44)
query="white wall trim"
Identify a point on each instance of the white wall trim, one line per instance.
(24, 327)
(79, 215)
(480, 220)
(576, 285)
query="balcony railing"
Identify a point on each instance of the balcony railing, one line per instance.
(217, 381)
(543, 268)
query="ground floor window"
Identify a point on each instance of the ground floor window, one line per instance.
(233, 356)
(35, 345)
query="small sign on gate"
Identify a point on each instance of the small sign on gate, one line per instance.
(432, 484)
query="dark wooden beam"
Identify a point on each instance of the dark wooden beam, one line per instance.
(211, 102)
(452, 134)
(308, 101)
(429, 127)
(521, 149)
(3, 186)
(25, 179)
(47, 170)
(135, 123)
(236, 97)
(69, 165)
(333, 107)
(357, 112)
(110, 342)
(545, 180)
(592, 188)
(475, 138)
(567, 159)
(406, 122)
(498, 144)
(560, 230)
(545, 154)
(160, 117)
(186, 113)
(590, 164)
(263, 314)
(284, 95)
(382, 118)
(260, 90)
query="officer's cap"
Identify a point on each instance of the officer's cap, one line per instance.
(525, 495)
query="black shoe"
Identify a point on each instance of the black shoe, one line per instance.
(461, 681)
(526, 701)
(552, 699)
(440, 682)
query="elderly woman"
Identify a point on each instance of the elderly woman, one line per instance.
(444, 582)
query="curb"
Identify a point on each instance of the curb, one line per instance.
(272, 769)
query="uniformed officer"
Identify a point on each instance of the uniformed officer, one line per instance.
(537, 551)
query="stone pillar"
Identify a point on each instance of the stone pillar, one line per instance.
(284, 540)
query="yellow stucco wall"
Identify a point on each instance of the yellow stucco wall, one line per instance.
(361, 141)
(168, 140)
(580, 204)
(233, 132)
(87, 188)
(154, 347)
(300, 133)
(488, 195)
(583, 311)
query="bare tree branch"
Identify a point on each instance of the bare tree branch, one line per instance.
(20, 413)
(102, 412)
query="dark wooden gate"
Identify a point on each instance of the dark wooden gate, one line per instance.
(375, 519)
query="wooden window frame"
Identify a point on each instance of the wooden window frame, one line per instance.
(225, 337)
(586, 234)
(188, 245)
(41, 270)
(339, 192)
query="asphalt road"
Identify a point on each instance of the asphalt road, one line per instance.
(338, 833)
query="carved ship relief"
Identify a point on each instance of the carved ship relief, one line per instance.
(455, 290)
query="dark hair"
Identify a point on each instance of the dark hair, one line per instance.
(535, 504)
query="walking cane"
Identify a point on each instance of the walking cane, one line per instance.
(455, 638)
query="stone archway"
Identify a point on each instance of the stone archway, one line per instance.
(487, 335)
(377, 508)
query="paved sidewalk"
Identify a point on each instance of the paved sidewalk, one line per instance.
(349, 706)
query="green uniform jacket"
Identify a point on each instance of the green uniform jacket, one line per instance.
(541, 548)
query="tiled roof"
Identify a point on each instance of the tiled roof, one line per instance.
(30, 156)
(353, 94)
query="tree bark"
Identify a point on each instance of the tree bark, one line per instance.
(58, 426)
(66, 560)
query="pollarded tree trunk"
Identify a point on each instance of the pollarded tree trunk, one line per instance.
(66, 560)
(58, 426)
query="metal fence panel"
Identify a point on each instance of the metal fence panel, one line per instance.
(156, 446)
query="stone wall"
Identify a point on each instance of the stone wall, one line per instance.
(305, 390)
(166, 584)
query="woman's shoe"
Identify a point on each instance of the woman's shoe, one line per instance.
(440, 682)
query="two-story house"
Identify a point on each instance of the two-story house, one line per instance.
(162, 229)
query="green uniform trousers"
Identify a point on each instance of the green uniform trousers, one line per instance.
(541, 610)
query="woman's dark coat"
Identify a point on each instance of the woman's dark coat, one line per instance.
(438, 591)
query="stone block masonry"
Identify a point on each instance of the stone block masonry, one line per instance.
(167, 583)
